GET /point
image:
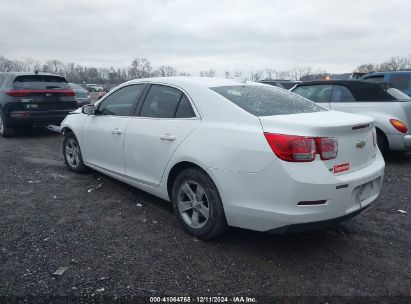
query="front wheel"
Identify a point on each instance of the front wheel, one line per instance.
(72, 154)
(197, 204)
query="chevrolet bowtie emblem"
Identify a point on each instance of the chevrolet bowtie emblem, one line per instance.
(361, 143)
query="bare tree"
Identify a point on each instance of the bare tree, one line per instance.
(298, 73)
(237, 73)
(269, 73)
(396, 64)
(166, 71)
(256, 75)
(140, 68)
(209, 73)
(367, 68)
(54, 66)
(5, 64)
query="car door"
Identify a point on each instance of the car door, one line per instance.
(320, 94)
(103, 133)
(164, 120)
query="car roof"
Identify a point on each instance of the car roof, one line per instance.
(361, 89)
(205, 82)
(29, 74)
(387, 72)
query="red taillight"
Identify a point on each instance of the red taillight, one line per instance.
(16, 93)
(327, 147)
(399, 125)
(293, 148)
(24, 93)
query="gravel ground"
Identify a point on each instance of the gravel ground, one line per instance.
(113, 247)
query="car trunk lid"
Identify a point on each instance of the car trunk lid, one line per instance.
(356, 142)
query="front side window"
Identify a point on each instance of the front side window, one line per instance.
(161, 102)
(316, 93)
(267, 100)
(121, 102)
(341, 94)
(400, 82)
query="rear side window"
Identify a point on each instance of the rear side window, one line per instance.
(184, 109)
(121, 102)
(341, 94)
(316, 93)
(400, 81)
(267, 101)
(161, 102)
(40, 82)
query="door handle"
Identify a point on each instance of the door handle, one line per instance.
(116, 132)
(168, 137)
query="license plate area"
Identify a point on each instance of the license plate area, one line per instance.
(365, 191)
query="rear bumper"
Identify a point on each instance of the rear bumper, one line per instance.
(36, 117)
(407, 141)
(399, 142)
(316, 225)
(268, 200)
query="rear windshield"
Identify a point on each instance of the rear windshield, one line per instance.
(40, 82)
(267, 100)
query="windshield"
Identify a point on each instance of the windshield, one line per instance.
(267, 100)
(40, 82)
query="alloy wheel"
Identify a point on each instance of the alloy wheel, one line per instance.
(193, 204)
(72, 153)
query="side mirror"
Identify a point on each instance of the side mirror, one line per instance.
(88, 109)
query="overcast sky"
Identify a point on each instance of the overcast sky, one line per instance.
(197, 35)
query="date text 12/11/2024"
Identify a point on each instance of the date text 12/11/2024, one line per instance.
(219, 299)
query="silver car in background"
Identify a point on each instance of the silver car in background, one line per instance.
(82, 95)
(390, 107)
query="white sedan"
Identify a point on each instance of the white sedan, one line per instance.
(227, 153)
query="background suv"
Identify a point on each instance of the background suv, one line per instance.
(398, 80)
(27, 99)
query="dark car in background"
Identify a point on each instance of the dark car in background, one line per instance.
(82, 95)
(390, 108)
(400, 80)
(28, 99)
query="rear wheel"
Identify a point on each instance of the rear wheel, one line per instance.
(382, 142)
(5, 130)
(197, 204)
(72, 153)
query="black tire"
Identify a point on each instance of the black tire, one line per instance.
(74, 163)
(216, 223)
(382, 142)
(5, 129)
